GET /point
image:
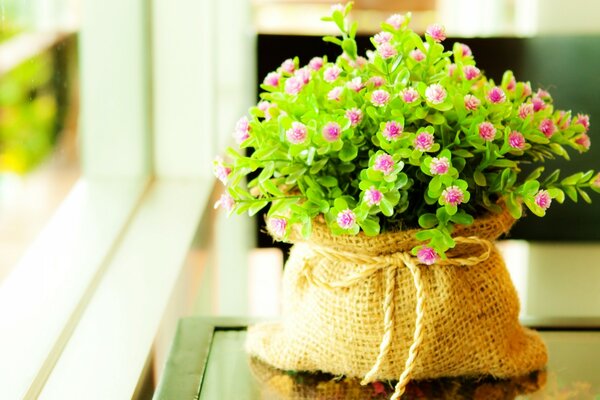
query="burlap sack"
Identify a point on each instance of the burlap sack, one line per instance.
(363, 307)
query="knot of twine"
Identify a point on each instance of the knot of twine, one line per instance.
(391, 264)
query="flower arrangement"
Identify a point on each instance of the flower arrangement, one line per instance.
(412, 135)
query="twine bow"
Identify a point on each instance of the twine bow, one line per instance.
(391, 264)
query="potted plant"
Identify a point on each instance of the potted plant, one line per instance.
(393, 174)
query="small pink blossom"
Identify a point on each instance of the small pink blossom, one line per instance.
(332, 73)
(242, 130)
(335, 94)
(427, 255)
(451, 69)
(265, 106)
(392, 130)
(359, 63)
(465, 50)
(409, 95)
(386, 51)
(538, 103)
(439, 166)
(355, 116)
(303, 74)
(541, 93)
(277, 227)
(583, 119)
(424, 141)
(437, 32)
(384, 163)
(297, 133)
(471, 72)
(435, 93)
(380, 98)
(511, 85)
(526, 89)
(395, 20)
(596, 181)
(417, 55)
(226, 202)
(315, 63)
(496, 95)
(332, 131)
(516, 140)
(487, 131)
(372, 197)
(543, 199)
(355, 84)
(377, 81)
(584, 141)
(288, 66)
(453, 195)
(221, 171)
(346, 219)
(471, 102)
(293, 86)
(337, 7)
(382, 37)
(525, 110)
(564, 120)
(547, 127)
(272, 79)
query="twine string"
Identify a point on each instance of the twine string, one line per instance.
(391, 264)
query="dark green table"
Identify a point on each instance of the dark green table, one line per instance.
(207, 362)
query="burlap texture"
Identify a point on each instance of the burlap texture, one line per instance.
(470, 327)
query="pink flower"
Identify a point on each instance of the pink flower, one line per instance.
(242, 130)
(303, 74)
(386, 51)
(526, 89)
(355, 115)
(511, 85)
(439, 166)
(435, 93)
(496, 95)
(337, 7)
(424, 141)
(384, 163)
(355, 84)
(427, 255)
(372, 197)
(487, 131)
(380, 98)
(547, 127)
(297, 133)
(471, 72)
(382, 37)
(316, 63)
(538, 103)
(437, 32)
(221, 171)
(409, 95)
(226, 202)
(417, 55)
(288, 66)
(516, 140)
(596, 181)
(465, 50)
(453, 195)
(471, 102)
(359, 63)
(335, 94)
(272, 79)
(395, 20)
(525, 110)
(346, 219)
(392, 130)
(584, 140)
(293, 86)
(377, 81)
(542, 199)
(332, 131)
(332, 73)
(542, 94)
(277, 227)
(265, 106)
(564, 120)
(583, 119)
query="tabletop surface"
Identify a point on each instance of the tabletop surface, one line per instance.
(208, 361)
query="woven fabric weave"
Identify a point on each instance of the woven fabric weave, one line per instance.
(470, 327)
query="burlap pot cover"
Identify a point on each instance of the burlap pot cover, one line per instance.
(363, 307)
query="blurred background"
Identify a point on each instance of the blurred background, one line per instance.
(217, 53)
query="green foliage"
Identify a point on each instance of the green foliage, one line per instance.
(439, 168)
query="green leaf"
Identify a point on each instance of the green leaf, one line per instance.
(428, 221)
(386, 207)
(370, 226)
(571, 192)
(462, 153)
(257, 206)
(557, 194)
(572, 179)
(479, 178)
(514, 208)
(349, 46)
(584, 195)
(535, 174)
(267, 172)
(349, 151)
(338, 18)
(462, 218)
(332, 39)
(327, 181)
